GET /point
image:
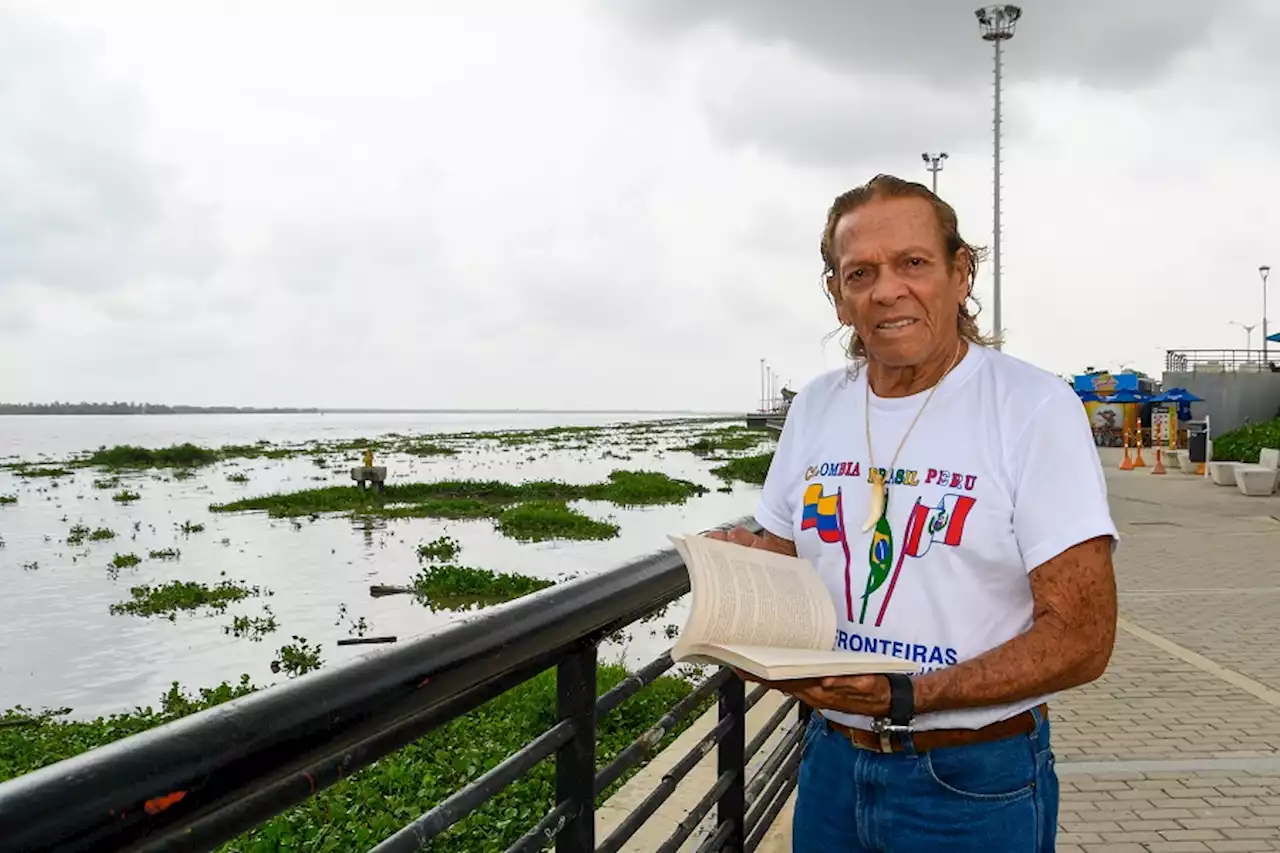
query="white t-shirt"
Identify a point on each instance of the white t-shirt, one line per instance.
(999, 475)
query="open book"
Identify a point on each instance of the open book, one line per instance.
(764, 613)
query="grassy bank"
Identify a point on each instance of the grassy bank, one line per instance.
(360, 811)
(1245, 444)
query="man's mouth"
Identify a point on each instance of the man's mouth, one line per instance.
(897, 324)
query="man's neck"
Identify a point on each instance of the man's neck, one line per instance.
(905, 381)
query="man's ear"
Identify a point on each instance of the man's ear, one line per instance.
(842, 313)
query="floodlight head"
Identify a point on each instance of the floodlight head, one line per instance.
(943, 155)
(925, 157)
(1264, 271)
(997, 22)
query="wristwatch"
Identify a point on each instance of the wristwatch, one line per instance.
(902, 709)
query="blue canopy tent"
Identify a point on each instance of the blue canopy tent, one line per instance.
(1182, 397)
(1275, 337)
(1088, 397)
(1126, 396)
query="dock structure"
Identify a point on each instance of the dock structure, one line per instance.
(368, 475)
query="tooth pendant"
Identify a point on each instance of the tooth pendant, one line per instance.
(877, 502)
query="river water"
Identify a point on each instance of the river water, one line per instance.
(61, 647)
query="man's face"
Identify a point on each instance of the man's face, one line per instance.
(893, 281)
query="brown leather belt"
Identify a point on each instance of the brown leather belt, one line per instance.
(924, 741)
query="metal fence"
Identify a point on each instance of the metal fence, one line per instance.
(195, 783)
(1219, 360)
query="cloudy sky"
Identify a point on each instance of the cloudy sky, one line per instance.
(597, 204)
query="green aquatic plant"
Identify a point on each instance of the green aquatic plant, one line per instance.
(255, 627)
(188, 527)
(125, 561)
(748, 469)
(449, 585)
(77, 534)
(729, 438)
(168, 599)
(539, 521)
(442, 549)
(238, 477)
(129, 456)
(40, 471)
(8, 499)
(125, 496)
(106, 483)
(297, 658)
(164, 554)
(102, 534)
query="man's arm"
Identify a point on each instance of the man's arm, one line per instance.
(1068, 644)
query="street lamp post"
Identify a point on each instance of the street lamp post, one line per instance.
(996, 24)
(933, 162)
(1264, 271)
(1248, 334)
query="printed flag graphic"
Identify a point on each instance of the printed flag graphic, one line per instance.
(821, 513)
(943, 523)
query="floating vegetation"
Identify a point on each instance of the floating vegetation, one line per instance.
(451, 586)
(31, 566)
(372, 804)
(238, 477)
(624, 488)
(125, 561)
(164, 554)
(125, 496)
(425, 448)
(730, 438)
(187, 528)
(38, 471)
(539, 521)
(8, 499)
(128, 456)
(253, 627)
(168, 599)
(297, 658)
(183, 473)
(77, 534)
(102, 534)
(106, 483)
(748, 469)
(442, 549)
(456, 509)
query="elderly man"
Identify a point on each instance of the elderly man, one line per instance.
(953, 502)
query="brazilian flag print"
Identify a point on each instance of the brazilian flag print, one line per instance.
(879, 557)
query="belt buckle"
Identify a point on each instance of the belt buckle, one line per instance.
(885, 728)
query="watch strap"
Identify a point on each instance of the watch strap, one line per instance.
(902, 699)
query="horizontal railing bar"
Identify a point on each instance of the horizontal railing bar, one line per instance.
(791, 777)
(632, 684)
(638, 749)
(760, 806)
(662, 791)
(254, 805)
(771, 763)
(755, 696)
(542, 832)
(227, 758)
(690, 821)
(716, 841)
(414, 836)
(770, 726)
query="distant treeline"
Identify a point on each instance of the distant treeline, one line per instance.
(138, 409)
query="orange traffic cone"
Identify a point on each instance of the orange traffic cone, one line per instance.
(1138, 463)
(1159, 467)
(1126, 464)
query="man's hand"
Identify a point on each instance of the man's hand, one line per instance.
(852, 694)
(765, 541)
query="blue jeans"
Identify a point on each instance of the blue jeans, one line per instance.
(995, 797)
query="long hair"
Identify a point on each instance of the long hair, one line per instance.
(889, 186)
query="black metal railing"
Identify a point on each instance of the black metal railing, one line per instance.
(197, 782)
(1209, 360)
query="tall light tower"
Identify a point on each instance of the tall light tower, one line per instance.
(1264, 271)
(1248, 333)
(996, 24)
(933, 162)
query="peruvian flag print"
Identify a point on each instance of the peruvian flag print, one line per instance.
(943, 524)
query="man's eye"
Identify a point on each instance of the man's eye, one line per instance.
(916, 262)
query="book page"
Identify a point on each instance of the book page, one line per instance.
(753, 597)
(774, 663)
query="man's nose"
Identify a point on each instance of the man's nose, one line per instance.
(890, 286)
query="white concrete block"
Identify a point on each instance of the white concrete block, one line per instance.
(1256, 481)
(1269, 458)
(1173, 459)
(1223, 473)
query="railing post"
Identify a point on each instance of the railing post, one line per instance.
(576, 760)
(731, 755)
